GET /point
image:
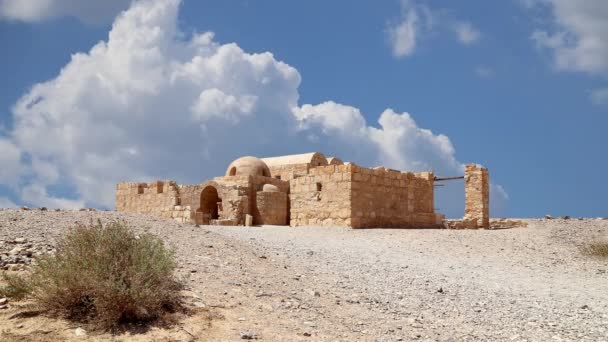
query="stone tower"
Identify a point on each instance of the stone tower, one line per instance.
(477, 197)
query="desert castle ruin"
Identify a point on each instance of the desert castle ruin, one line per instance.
(307, 189)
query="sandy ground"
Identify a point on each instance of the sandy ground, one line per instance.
(334, 284)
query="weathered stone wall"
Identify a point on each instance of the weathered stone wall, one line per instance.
(477, 197)
(233, 193)
(323, 197)
(350, 195)
(156, 198)
(389, 198)
(271, 208)
(256, 184)
(289, 172)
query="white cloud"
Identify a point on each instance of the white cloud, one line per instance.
(466, 33)
(599, 96)
(6, 203)
(37, 194)
(498, 200)
(577, 34)
(93, 12)
(148, 104)
(403, 35)
(10, 163)
(418, 21)
(484, 71)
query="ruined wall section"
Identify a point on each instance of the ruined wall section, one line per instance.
(271, 208)
(233, 193)
(256, 184)
(477, 197)
(156, 198)
(323, 197)
(389, 198)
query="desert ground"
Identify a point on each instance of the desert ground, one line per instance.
(335, 284)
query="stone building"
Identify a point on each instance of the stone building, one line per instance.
(306, 189)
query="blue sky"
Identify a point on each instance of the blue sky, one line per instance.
(517, 86)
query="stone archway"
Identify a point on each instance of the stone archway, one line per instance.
(209, 209)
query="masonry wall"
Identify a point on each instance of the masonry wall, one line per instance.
(323, 197)
(477, 197)
(156, 198)
(289, 172)
(350, 195)
(389, 198)
(255, 185)
(271, 208)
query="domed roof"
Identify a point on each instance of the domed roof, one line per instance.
(248, 166)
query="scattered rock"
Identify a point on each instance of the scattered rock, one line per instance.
(440, 290)
(548, 217)
(80, 332)
(248, 335)
(3, 301)
(585, 307)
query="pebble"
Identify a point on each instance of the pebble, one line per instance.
(248, 335)
(80, 332)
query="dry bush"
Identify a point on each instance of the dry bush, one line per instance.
(599, 249)
(16, 286)
(107, 275)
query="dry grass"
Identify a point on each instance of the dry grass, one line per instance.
(105, 275)
(599, 249)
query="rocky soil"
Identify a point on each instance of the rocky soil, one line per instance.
(333, 284)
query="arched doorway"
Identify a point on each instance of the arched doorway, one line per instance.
(209, 209)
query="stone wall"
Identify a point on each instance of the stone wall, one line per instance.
(256, 184)
(358, 197)
(156, 198)
(389, 198)
(271, 208)
(323, 197)
(289, 172)
(477, 197)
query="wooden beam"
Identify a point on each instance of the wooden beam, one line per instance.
(437, 179)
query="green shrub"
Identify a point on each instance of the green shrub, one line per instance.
(107, 275)
(16, 287)
(597, 249)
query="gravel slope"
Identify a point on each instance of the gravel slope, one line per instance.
(312, 283)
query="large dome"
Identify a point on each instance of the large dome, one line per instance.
(248, 166)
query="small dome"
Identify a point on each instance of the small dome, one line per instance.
(248, 166)
(270, 188)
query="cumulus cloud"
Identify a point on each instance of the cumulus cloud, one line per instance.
(599, 96)
(466, 33)
(149, 104)
(577, 34)
(93, 12)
